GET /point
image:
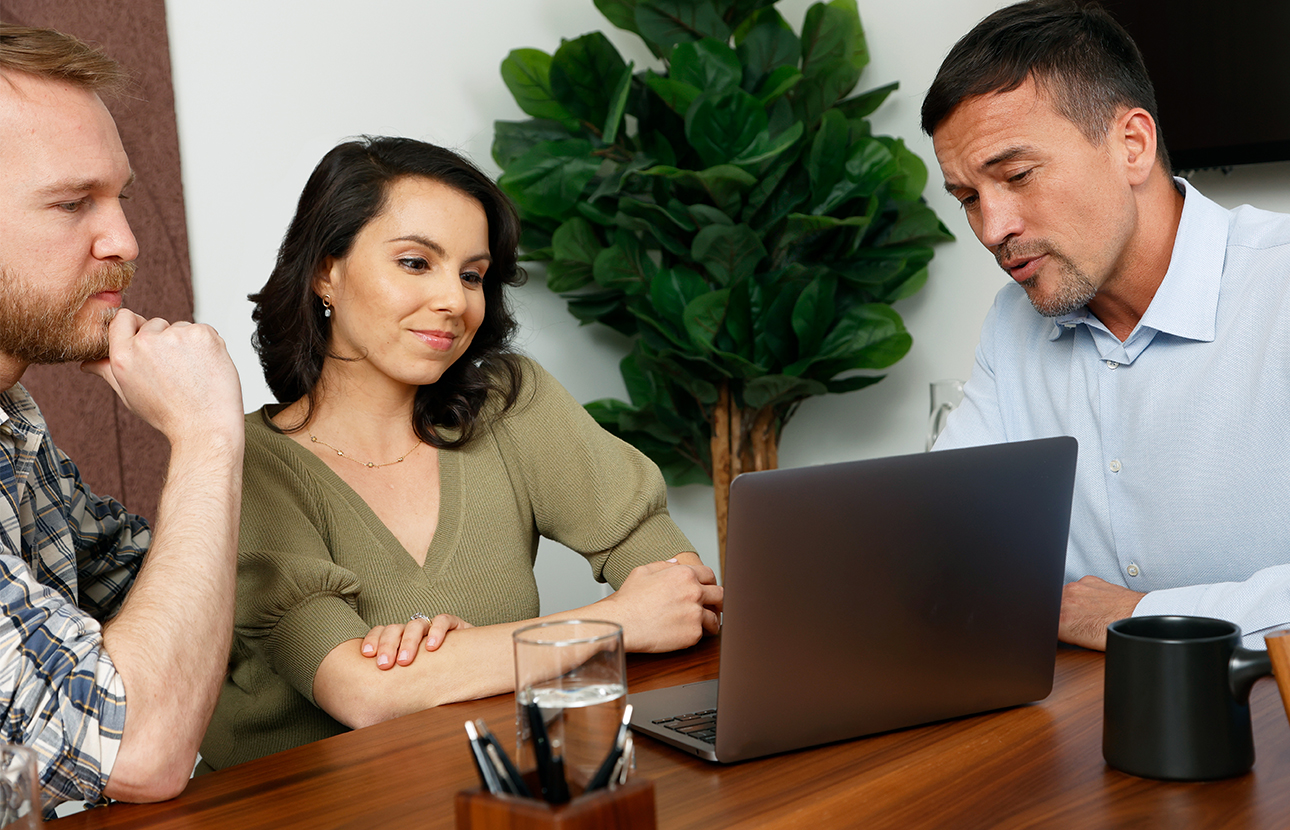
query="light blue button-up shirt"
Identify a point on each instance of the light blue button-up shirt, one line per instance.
(1183, 483)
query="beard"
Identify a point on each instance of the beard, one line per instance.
(40, 329)
(1074, 287)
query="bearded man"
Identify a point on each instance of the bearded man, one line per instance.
(113, 637)
(1143, 319)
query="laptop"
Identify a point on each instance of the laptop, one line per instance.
(869, 596)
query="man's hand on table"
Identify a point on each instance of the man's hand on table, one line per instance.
(1089, 606)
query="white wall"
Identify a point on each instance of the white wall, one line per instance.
(264, 87)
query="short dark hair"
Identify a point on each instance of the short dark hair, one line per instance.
(50, 54)
(1077, 54)
(348, 189)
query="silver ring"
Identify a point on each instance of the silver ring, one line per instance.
(419, 616)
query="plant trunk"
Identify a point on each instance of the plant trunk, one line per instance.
(743, 440)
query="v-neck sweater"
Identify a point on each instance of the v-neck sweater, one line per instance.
(316, 567)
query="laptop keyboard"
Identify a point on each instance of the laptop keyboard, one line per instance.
(700, 725)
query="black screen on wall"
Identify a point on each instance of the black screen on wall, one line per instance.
(1221, 69)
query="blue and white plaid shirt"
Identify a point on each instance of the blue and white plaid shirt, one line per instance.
(67, 558)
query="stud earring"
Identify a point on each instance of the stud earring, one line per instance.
(326, 301)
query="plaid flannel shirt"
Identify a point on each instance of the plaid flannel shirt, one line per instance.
(67, 558)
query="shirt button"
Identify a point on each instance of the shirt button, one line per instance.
(1132, 570)
(1111, 364)
(1115, 465)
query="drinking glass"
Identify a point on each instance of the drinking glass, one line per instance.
(575, 672)
(946, 394)
(19, 788)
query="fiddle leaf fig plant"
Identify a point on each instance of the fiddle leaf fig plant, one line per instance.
(729, 209)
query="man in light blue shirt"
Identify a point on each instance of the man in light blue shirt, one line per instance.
(1145, 320)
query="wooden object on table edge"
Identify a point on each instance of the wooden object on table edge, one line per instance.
(627, 807)
(1279, 650)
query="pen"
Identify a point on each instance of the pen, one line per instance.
(512, 782)
(609, 766)
(550, 767)
(487, 772)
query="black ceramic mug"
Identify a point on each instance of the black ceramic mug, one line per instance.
(1177, 697)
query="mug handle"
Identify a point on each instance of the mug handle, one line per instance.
(1279, 650)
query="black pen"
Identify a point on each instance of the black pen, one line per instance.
(487, 772)
(550, 767)
(512, 782)
(606, 771)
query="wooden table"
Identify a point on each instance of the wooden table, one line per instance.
(1032, 766)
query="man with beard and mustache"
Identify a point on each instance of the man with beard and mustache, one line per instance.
(1144, 320)
(111, 660)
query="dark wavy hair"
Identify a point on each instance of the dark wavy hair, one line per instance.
(1075, 51)
(348, 189)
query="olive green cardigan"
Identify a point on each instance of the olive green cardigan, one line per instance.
(316, 567)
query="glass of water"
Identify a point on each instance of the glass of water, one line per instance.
(575, 672)
(19, 788)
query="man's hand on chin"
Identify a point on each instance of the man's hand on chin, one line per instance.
(1089, 606)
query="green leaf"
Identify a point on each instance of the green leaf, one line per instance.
(705, 215)
(548, 179)
(624, 265)
(584, 73)
(770, 390)
(864, 104)
(665, 23)
(512, 139)
(777, 84)
(721, 126)
(916, 223)
(813, 313)
(617, 106)
(868, 167)
(703, 317)
(725, 184)
(827, 160)
(708, 65)
(677, 95)
(768, 46)
(832, 36)
(911, 177)
(769, 181)
(764, 148)
(801, 225)
(741, 12)
(851, 384)
(739, 320)
(576, 241)
(527, 74)
(908, 288)
(567, 275)
(729, 253)
(675, 288)
(867, 336)
(833, 55)
(621, 13)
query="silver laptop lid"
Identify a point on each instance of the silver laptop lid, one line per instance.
(872, 595)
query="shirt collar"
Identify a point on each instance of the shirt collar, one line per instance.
(18, 410)
(1186, 303)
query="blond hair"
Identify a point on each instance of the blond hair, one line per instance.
(50, 54)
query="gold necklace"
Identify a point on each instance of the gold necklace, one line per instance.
(372, 465)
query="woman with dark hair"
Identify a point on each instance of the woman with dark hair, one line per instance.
(398, 490)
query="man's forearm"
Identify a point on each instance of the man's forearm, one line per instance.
(170, 642)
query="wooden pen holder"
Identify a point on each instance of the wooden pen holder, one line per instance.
(626, 807)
